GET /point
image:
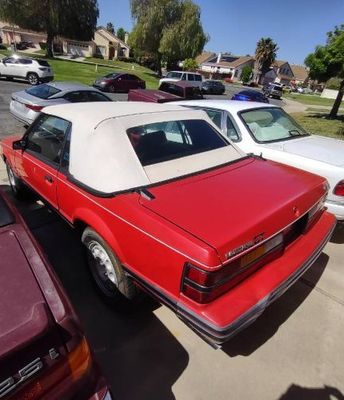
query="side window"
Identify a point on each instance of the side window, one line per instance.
(191, 77)
(10, 60)
(25, 61)
(198, 78)
(184, 77)
(47, 137)
(95, 96)
(76, 97)
(230, 131)
(215, 116)
(65, 152)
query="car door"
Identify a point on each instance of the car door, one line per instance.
(40, 161)
(9, 67)
(23, 67)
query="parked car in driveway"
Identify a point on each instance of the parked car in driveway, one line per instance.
(168, 91)
(43, 351)
(273, 90)
(27, 104)
(119, 82)
(268, 130)
(250, 95)
(192, 78)
(164, 202)
(182, 89)
(30, 69)
(213, 87)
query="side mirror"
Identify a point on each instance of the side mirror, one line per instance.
(19, 144)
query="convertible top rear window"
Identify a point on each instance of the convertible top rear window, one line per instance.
(43, 91)
(163, 141)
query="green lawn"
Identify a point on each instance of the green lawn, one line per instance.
(66, 70)
(309, 99)
(318, 123)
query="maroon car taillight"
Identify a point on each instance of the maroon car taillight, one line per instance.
(339, 189)
(34, 108)
(203, 286)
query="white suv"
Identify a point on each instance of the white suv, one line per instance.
(193, 78)
(30, 69)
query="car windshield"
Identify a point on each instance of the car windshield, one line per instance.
(43, 91)
(163, 141)
(176, 75)
(271, 124)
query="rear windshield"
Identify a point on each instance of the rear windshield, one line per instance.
(43, 91)
(163, 141)
(43, 63)
(277, 88)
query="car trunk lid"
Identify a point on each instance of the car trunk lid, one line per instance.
(230, 206)
(28, 333)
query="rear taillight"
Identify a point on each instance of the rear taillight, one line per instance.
(33, 107)
(339, 189)
(203, 286)
(43, 69)
(68, 369)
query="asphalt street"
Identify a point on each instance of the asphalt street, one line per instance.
(294, 351)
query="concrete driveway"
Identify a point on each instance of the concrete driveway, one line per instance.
(294, 351)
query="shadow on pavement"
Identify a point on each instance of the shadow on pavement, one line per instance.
(138, 355)
(338, 234)
(296, 392)
(250, 339)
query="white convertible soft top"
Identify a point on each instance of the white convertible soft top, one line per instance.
(102, 157)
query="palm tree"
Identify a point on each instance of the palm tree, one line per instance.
(265, 55)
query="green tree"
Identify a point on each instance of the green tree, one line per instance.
(121, 34)
(328, 62)
(246, 74)
(167, 29)
(110, 28)
(265, 55)
(58, 17)
(190, 64)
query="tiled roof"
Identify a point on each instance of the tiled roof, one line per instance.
(300, 72)
(204, 57)
(236, 63)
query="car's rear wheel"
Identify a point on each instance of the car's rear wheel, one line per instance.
(108, 274)
(17, 186)
(33, 78)
(112, 88)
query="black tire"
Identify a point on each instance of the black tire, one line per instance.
(32, 78)
(9, 78)
(18, 188)
(111, 89)
(114, 286)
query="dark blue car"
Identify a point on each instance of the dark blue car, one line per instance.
(250, 95)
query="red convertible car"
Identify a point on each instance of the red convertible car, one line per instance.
(165, 203)
(43, 351)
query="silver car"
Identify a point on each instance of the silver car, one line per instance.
(27, 104)
(31, 69)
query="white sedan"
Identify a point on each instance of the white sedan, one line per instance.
(269, 131)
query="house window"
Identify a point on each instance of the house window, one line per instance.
(236, 73)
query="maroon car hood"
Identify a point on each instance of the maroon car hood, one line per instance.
(230, 206)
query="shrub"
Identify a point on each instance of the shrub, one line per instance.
(190, 64)
(43, 45)
(246, 74)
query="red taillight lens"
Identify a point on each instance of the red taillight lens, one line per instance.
(33, 107)
(339, 189)
(203, 286)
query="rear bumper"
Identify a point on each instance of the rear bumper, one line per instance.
(45, 79)
(215, 334)
(223, 318)
(26, 118)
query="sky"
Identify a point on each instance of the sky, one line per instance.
(235, 26)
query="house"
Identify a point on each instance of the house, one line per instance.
(110, 46)
(204, 57)
(284, 73)
(104, 44)
(301, 74)
(226, 65)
